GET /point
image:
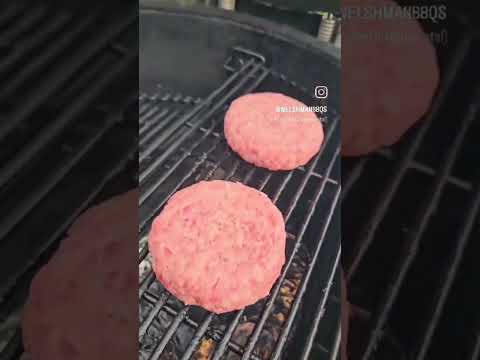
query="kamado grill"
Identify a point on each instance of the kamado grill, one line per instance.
(68, 132)
(193, 63)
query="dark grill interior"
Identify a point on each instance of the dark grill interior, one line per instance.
(409, 247)
(188, 145)
(68, 104)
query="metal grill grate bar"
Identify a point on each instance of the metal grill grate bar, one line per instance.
(151, 278)
(427, 170)
(62, 73)
(299, 193)
(48, 55)
(146, 102)
(449, 276)
(204, 327)
(300, 168)
(153, 123)
(306, 178)
(476, 347)
(200, 121)
(319, 312)
(198, 336)
(170, 311)
(222, 346)
(150, 190)
(180, 122)
(177, 187)
(143, 107)
(54, 128)
(153, 314)
(148, 113)
(13, 10)
(160, 305)
(228, 334)
(25, 206)
(413, 240)
(37, 39)
(170, 332)
(227, 337)
(368, 234)
(33, 16)
(274, 293)
(12, 349)
(303, 288)
(355, 174)
(142, 253)
(154, 131)
(14, 270)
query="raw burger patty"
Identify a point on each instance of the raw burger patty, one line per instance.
(83, 303)
(389, 77)
(219, 245)
(261, 135)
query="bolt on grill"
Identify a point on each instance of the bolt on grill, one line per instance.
(190, 146)
(63, 134)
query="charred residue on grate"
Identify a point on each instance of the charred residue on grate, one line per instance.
(185, 332)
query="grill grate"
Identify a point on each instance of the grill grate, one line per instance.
(49, 154)
(405, 162)
(192, 147)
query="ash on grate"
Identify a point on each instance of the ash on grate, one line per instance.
(186, 331)
(273, 326)
(180, 340)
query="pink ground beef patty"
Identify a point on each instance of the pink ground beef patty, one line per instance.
(83, 303)
(389, 77)
(219, 245)
(267, 138)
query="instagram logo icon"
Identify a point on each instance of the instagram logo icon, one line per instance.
(321, 92)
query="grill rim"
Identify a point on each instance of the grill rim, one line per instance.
(248, 22)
